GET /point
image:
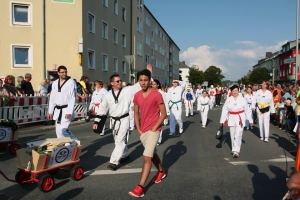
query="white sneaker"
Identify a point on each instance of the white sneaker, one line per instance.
(203, 126)
(101, 134)
(131, 129)
(235, 155)
(266, 140)
(180, 130)
(247, 128)
(262, 139)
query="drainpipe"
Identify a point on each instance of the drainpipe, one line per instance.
(44, 40)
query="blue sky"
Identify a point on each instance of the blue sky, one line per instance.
(228, 34)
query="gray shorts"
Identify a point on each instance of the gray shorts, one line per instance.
(149, 141)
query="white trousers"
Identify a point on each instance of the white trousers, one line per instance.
(264, 123)
(247, 121)
(160, 136)
(212, 99)
(175, 116)
(121, 138)
(166, 121)
(189, 108)
(204, 115)
(131, 118)
(236, 133)
(62, 130)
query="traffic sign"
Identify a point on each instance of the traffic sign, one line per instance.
(289, 60)
(129, 59)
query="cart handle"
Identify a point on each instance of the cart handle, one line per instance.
(8, 178)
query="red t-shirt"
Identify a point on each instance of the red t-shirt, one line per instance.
(149, 110)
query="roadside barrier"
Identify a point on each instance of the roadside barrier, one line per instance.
(25, 110)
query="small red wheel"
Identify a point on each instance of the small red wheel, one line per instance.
(22, 176)
(13, 148)
(3, 146)
(46, 183)
(77, 173)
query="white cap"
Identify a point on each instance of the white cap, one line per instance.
(212, 86)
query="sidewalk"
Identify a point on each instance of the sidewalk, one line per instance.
(39, 127)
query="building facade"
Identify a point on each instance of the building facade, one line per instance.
(93, 42)
(184, 71)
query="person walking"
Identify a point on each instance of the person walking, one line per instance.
(264, 106)
(96, 100)
(61, 103)
(218, 95)
(203, 107)
(149, 113)
(250, 101)
(235, 111)
(212, 95)
(175, 105)
(117, 101)
(157, 86)
(189, 99)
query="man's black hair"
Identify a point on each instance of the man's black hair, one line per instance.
(113, 76)
(61, 67)
(144, 72)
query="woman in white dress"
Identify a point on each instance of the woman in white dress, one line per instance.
(157, 86)
(97, 98)
(235, 111)
(203, 107)
(250, 100)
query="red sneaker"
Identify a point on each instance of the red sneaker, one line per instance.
(137, 192)
(159, 176)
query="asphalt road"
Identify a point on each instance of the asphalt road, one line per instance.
(198, 166)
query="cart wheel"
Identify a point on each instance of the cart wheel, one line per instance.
(22, 176)
(46, 183)
(3, 146)
(53, 172)
(13, 148)
(77, 173)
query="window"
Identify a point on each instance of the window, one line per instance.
(115, 62)
(116, 7)
(147, 40)
(21, 14)
(104, 30)
(124, 14)
(139, 3)
(91, 23)
(21, 55)
(147, 59)
(139, 48)
(124, 67)
(105, 3)
(152, 36)
(156, 63)
(156, 30)
(115, 36)
(139, 25)
(148, 21)
(104, 62)
(156, 47)
(91, 59)
(163, 37)
(124, 40)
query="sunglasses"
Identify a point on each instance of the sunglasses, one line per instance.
(119, 81)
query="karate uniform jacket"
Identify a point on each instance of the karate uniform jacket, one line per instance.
(264, 99)
(201, 101)
(97, 97)
(174, 94)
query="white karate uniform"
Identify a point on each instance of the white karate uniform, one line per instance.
(66, 97)
(203, 107)
(250, 100)
(198, 93)
(120, 128)
(236, 122)
(174, 95)
(264, 118)
(131, 114)
(212, 95)
(97, 98)
(163, 94)
(189, 104)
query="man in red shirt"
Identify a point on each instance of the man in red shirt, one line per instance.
(149, 113)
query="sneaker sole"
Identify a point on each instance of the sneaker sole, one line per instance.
(164, 176)
(131, 194)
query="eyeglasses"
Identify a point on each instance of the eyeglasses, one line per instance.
(118, 81)
(63, 72)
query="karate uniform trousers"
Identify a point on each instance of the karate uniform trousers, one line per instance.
(131, 118)
(264, 123)
(175, 116)
(189, 107)
(236, 133)
(212, 100)
(252, 114)
(204, 114)
(120, 133)
(62, 129)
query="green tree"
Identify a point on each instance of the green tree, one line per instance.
(195, 76)
(213, 75)
(259, 75)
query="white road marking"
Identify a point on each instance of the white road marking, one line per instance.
(282, 159)
(119, 171)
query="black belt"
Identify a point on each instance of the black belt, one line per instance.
(118, 119)
(60, 112)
